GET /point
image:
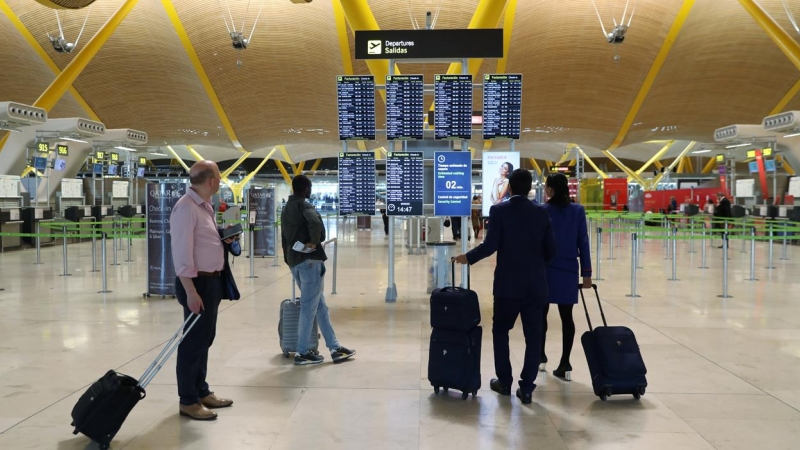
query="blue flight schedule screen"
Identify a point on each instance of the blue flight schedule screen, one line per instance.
(404, 183)
(452, 184)
(356, 105)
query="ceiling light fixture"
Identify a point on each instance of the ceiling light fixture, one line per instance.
(157, 154)
(697, 152)
(739, 145)
(792, 135)
(73, 140)
(127, 149)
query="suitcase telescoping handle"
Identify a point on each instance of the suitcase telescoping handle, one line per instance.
(586, 310)
(167, 351)
(453, 273)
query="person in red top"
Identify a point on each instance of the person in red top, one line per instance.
(199, 258)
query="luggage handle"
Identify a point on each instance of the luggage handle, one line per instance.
(453, 273)
(168, 349)
(586, 310)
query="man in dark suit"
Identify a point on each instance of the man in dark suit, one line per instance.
(722, 212)
(523, 239)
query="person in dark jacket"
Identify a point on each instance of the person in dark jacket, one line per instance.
(572, 240)
(722, 212)
(522, 236)
(302, 224)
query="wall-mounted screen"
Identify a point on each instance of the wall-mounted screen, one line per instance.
(39, 163)
(60, 165)
(97, 169)
(140, 172)
(112, 169)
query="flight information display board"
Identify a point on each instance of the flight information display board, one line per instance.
(356, 103)
(404, 107)
(502, 106)
(404, 183)
(452, 96)
(357, 183)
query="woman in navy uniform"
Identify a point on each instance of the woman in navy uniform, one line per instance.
(572, 242)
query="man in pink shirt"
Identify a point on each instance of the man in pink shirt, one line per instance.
(198, 255)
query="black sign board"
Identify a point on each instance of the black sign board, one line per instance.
(43, 147)
(502, 106)
(62, 150)
(357, 183)
(404, 107)
(566, 170)
(452, 96)
(356, 103)
(418, 44)
(404, 183)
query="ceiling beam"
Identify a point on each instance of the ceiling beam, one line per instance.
(659, 154)
(172, 14)
(341, 31)
(786, 99)
(658, 177)
(508, 28)
(591, 163)
(66, 77)
(631, 174)
(779, 36)
(39, 50)
(709, 166)
(285, 174)
(235, 165)
(180, 160)
(655, 69)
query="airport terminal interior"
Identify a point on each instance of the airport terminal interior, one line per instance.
(675, 122)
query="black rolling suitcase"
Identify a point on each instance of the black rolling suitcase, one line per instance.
(455, 350)
(615, 361)
(103, 408)
(455, 361)
(454, 308)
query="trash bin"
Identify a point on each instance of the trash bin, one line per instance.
(439, 272)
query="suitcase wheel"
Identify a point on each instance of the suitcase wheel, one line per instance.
(436, 390)
(104, 446)
(603, 397)
(464, 395)
(474, 394)
(637, 395)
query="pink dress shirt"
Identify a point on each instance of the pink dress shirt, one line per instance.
(195, 240)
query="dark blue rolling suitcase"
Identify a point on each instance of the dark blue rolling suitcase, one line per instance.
(615, 361)
(454, 308)
(455, 361)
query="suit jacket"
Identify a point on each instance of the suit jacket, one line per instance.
(723, 209)
(229, 289)
(572, 239)
(522, 236)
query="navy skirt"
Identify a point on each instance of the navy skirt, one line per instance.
(562, 286)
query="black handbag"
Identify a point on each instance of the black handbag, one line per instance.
(446, 223)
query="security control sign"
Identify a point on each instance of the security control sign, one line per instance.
(412, 44)
(452, 184)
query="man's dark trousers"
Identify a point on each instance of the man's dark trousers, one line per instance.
(192, 364)
(506, 311)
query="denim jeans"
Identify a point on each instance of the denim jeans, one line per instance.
(309, 275)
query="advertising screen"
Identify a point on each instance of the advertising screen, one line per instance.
(61, 164)
(497, 167)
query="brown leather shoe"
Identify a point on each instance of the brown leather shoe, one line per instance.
(197, 412)
(212, 401)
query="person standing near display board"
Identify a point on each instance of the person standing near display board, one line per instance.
(500, 190)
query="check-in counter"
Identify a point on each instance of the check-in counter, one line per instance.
(83, 216)
(103, 212)
(31, 217)
(10, 222)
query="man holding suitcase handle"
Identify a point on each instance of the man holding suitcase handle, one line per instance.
(523, 238)
(198, 256)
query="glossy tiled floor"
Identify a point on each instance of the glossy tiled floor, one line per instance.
(723, 373)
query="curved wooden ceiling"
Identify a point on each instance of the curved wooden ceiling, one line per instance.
(722, 69)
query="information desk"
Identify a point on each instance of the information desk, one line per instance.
(10, 223)
(31, 216)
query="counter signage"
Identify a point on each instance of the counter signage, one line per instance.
(357, 183)
(161, 198)
(114, 156)
(452, 183)
(62, 150)
(502, 106)
(404, 107)
(100, 155)
(142, 161)
(356, 105)
(262, 203)
(452, 106)
(442, 43)
(404, 183)
(42, 147)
